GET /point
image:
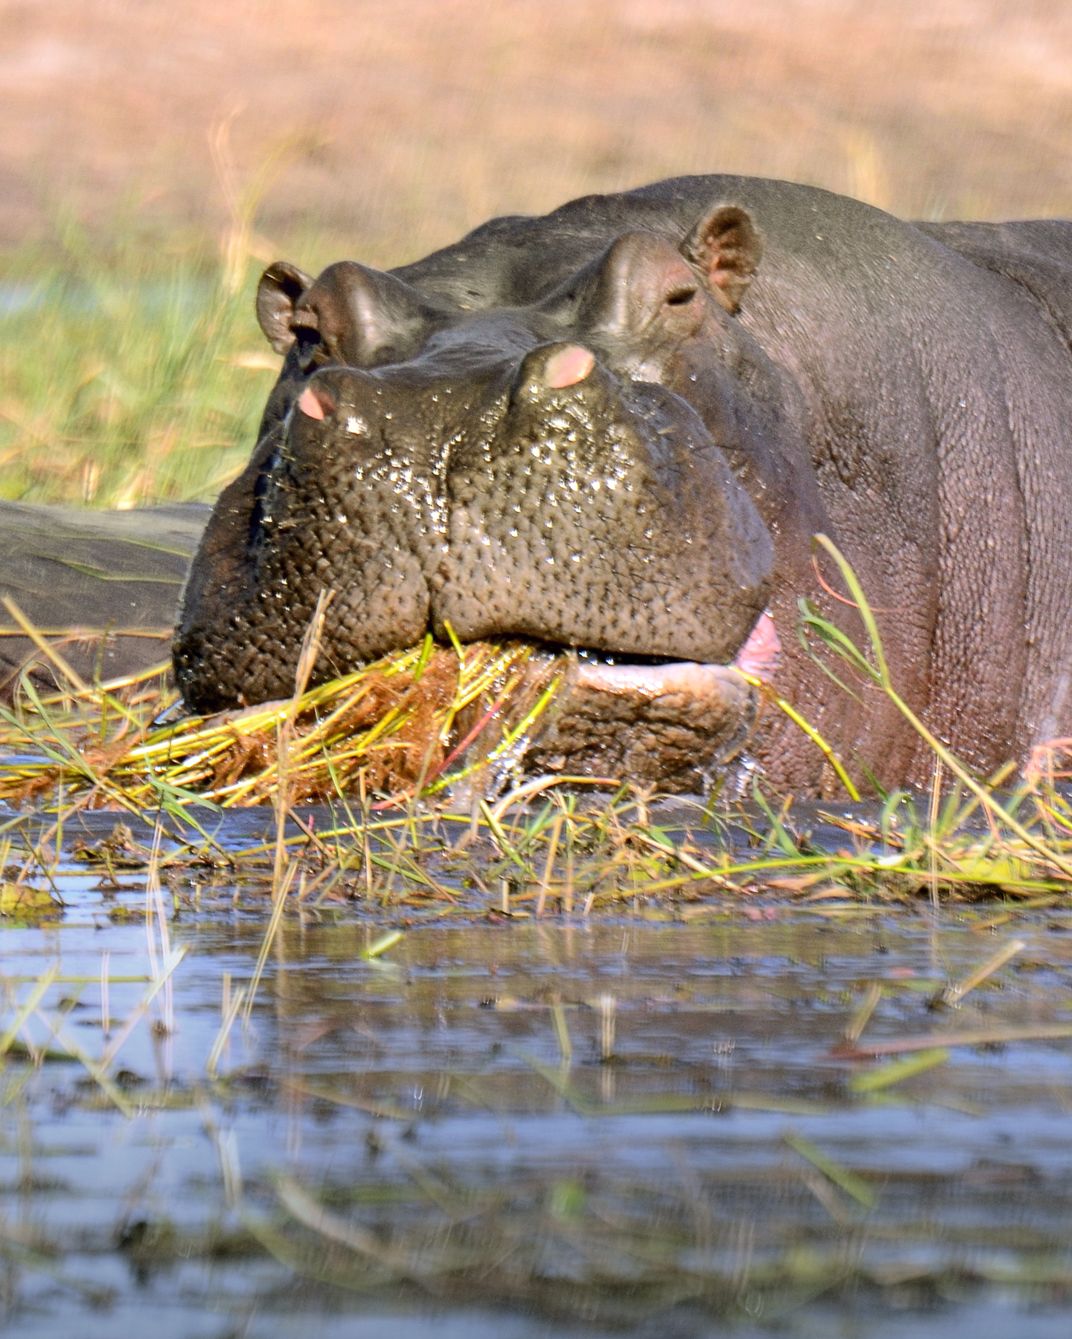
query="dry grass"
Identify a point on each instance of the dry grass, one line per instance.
(405, 132)
(392, 728)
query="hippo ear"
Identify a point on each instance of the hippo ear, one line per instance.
(726, 248)
(281, 285)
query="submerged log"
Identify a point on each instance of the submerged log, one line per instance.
(102, 586)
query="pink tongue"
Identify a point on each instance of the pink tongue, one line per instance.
(762, 651)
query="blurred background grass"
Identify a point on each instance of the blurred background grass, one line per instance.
(156, 156)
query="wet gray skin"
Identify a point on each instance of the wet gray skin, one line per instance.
(595, 566)
(615, 429)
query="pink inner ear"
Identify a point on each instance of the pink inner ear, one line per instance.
(722, 279)
(568, 366)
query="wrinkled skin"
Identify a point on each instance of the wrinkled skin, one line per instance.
(614, 429)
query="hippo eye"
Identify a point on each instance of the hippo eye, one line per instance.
(679, 296)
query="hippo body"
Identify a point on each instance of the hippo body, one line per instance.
(615, 428)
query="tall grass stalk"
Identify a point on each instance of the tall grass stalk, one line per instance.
(153, 381)
(877, 669)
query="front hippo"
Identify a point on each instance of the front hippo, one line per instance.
(518, 472)
(612, 430)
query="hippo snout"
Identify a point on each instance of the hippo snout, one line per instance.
(548, 498)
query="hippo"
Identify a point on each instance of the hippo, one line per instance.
(615, 429)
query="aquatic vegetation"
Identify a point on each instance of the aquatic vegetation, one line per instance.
(557, 1152)
(387, 728)
(426, 743)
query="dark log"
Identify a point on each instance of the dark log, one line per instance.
(103, 586)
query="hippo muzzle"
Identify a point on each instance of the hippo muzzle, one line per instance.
(518, 471)
(552, 500)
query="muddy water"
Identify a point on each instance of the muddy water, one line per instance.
(522, 1128)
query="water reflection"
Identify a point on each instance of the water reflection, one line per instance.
(520, 1126)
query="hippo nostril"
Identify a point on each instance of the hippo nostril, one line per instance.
(568, 366)
(316, 402)
(554, 367)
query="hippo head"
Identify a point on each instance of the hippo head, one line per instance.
(572, 469)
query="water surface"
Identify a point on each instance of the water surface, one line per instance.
(507, 1126)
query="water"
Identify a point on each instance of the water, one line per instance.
(522, 1128)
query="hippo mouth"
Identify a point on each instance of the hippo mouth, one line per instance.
(758, 657)
(676, 724)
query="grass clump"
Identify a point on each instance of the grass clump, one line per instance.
(393, 727)
(409, 754)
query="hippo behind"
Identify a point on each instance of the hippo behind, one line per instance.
(615, 429)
